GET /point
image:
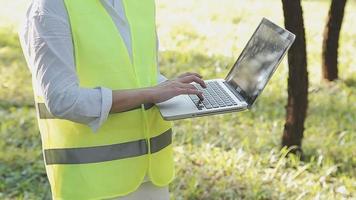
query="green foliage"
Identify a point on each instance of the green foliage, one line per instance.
(15, 85)
(232, 156)
(22, 171)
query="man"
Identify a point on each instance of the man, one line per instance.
(95, 80)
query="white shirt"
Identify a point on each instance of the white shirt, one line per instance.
(46, 40)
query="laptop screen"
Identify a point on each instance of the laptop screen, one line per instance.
(259, 60)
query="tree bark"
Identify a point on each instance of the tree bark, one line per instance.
(298, 77)
(331, 40)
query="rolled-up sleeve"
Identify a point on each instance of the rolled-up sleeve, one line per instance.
(50, 54)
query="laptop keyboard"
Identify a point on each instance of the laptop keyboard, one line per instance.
(214, 97)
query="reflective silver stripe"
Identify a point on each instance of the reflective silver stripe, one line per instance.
(108, 152)
(160, 142)
(45, 114)
(95, 154)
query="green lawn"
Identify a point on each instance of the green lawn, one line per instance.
(233, 156)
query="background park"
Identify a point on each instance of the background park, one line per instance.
(232, 156)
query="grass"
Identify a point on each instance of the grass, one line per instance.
(233, 156)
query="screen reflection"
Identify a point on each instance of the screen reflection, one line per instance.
(258, 60)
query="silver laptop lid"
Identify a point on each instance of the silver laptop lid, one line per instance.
(259, 59)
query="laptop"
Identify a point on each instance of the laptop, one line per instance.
(243, 84)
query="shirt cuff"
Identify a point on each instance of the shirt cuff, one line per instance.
(106, 103)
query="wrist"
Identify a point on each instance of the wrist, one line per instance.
(148, 96)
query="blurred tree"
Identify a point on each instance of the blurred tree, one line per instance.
(298, 77)
(331, 40)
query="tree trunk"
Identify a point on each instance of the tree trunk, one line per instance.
(331, 40)
(298, 77)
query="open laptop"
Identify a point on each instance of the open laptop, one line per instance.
(244, 83)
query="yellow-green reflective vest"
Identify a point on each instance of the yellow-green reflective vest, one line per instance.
(113, 162)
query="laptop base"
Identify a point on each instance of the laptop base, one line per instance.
(182, 107)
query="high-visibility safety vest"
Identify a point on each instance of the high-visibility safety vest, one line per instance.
(113, 162)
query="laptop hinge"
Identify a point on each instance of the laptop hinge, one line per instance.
(241, 98)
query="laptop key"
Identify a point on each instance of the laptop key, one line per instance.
(196, 101)
(214, 97)
(207, 104)
(193, 96)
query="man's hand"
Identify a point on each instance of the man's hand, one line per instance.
(178, 86)
(123, 100)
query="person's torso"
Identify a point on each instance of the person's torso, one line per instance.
(99, 162)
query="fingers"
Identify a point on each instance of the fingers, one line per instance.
(190, 74)
(186, 85)
(191, 91)
(192, 78)
(200, 95)
(185, 88)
